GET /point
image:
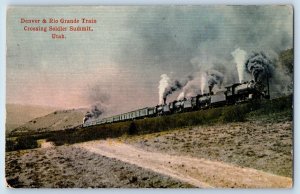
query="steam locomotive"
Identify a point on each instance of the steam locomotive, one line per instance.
(233, 94)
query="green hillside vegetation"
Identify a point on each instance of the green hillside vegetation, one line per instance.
(286, 58)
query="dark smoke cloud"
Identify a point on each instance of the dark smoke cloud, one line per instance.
(94, 113)
(182, 40)
(177, 85)
(260, 66)
(172, 36)
(145, 42)
(214, 77)
(96, 94)
(199, 38)
(99, 100)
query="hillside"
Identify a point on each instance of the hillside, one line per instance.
(54, 121)
(17, 114)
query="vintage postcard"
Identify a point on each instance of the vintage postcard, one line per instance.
(149, 96)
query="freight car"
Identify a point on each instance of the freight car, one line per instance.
(233, 94)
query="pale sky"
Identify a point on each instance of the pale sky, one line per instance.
(130, 48)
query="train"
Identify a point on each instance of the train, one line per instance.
(232, 94)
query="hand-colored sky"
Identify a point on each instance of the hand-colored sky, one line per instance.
(122, 59)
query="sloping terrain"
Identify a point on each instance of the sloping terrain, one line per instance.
(17, 114)
(57, 120)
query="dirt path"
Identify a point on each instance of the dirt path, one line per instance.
(265, 146)
(73, 167)
(198, 172)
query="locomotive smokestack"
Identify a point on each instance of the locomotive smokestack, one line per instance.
(165, 100)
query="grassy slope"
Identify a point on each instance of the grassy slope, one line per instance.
(54, 121)
(17, 114)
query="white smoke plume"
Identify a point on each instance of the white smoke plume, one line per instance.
(198, 85)
(164, 83)
(239, 56)
(181, 95)
(193, 87)
(167, 87)
(211, 71)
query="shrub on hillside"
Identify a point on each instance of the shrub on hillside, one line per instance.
(21, 143)
(234, 114)
(132, 130)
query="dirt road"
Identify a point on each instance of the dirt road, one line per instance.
(265, 146)
(73, 167)
(202, 173)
